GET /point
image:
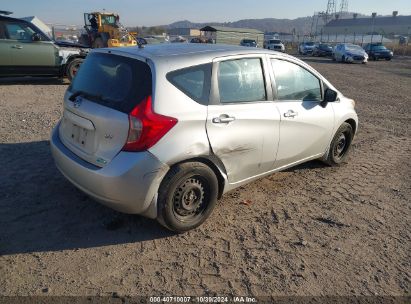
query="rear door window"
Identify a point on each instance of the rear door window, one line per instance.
(193, 81)
(241, 80)
(114, 81)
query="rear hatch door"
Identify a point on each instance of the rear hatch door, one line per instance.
(95, 120)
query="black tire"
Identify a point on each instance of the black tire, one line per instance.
(340, 145)
(187, 196)
(333, 58)
(388, 59)
(343, 59)
(98, 43)
(72, 67)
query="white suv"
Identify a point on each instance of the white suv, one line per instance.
(275, 45)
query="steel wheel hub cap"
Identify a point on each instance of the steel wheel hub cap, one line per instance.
(189, 198)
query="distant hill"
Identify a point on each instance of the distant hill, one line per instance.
(266, 25)
(301, 25)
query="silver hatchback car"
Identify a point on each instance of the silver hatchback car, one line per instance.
(166, 130)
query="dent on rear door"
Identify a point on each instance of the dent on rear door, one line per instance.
(243, 135)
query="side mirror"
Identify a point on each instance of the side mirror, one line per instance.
(36, 37)
(329, 96)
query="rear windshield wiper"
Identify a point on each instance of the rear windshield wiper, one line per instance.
(91, 97)
(85, 95)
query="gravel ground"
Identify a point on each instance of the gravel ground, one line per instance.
(311, 230)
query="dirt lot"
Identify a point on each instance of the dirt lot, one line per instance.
(312, 230)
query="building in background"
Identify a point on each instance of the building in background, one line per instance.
(184, 32)
(392, 25)
(230, 35)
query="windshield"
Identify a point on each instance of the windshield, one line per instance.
(114, 81)
(108, 19)
(248, 41)
(353, 47)
(275, 41)
(325, 46)
(309, 43)
(379, 48)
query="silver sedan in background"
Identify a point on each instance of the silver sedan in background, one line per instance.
(166, 130)
(347, 52)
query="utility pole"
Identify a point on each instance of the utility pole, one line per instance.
(330, 12)
(343, 8)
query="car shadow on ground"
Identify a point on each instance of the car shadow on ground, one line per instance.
(41, 211)
(314, 164)
(33, 81)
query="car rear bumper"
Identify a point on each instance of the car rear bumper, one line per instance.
(129, 183)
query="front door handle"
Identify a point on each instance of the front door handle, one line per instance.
(17, 47)
(223, 119)
(290, 113)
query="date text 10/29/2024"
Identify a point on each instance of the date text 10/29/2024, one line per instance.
(205, 299)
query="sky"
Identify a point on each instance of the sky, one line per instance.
(159, 12)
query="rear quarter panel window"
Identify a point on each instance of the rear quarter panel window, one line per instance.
(193, 81)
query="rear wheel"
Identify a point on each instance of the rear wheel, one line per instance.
(73, 67)
(340, 145)
(343, 59)
(187, 196)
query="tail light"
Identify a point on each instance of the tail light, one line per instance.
(146, 128)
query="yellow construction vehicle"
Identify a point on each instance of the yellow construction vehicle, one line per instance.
(105, 30)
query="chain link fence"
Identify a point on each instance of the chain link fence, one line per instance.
(400, 44)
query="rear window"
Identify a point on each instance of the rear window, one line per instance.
(114, 81)
(275, 41)
(193, 81)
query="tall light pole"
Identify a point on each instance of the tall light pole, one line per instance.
(373, 25)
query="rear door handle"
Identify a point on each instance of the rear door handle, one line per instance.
(17, 47)
(223, 119)
(290, 113)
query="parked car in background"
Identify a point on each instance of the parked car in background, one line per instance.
(306, 48)
(275, 45)
(249, 43)
(322, 49)
(166, 130)
(26, 51)
(347, 52)
(377, 51)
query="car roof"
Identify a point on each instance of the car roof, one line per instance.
(186, 50)
(173, 56)
(4, 18)
(180, 55)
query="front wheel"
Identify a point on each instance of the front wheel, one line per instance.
(73, 67)
(187, 196)
(340, 145)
